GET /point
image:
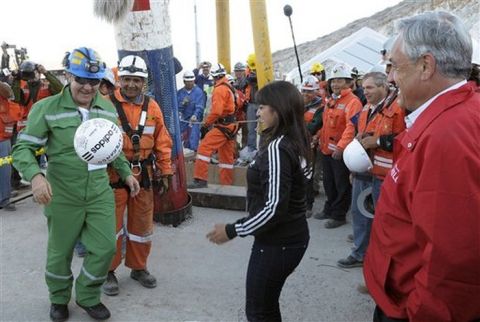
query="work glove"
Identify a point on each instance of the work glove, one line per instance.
(203, 131)
(193, 118)
(162, 181)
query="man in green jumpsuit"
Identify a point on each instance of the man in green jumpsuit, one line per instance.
(78, 200)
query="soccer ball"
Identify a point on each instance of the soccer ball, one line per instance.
(98, 141)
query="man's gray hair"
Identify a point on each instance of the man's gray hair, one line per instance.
(379, 79)
(441, 34)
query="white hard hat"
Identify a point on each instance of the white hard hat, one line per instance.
(340, 71)
(380, 67)
(109, 76)
(239, 67)
(188, 76)
(310, 83)
(218, 70)
(98, 141)
(356, 158)
(230, 78)
(132, 65)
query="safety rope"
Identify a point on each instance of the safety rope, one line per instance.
(8, 159)
(201, 123)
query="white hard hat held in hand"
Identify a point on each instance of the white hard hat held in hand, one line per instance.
(356, 158)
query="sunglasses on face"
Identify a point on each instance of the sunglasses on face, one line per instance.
(85, 81)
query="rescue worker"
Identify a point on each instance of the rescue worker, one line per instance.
(248, 153)
(357, 85)
(333, 140)
(78, 200)
(191, 103)
(147, 146)
(313, 119)
(203, 80)
(8, 109)
(375, 126)
(108, 83)
(423, 262)
(318, 70)
(29, 88)
(241, 88)
(221, 136)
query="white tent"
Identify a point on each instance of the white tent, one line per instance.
(361, 49)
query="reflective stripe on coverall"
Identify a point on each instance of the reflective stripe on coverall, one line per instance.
(82, 205)
(156, 139)
(390, 120)
(222, 105)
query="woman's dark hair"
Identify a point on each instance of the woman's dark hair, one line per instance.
(285, 99)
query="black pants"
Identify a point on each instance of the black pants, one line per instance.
(268, 268)
(379, 316)
(338, 189)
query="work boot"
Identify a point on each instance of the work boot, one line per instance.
(349, 262)
(144, 277)
(97, 312)
(333, 223)
(58, 312)
(110, 287)
(198, 183)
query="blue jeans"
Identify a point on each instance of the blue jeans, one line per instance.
(376, 187)
(268, 269)
(252, 126)
(361, 224)
(5, 174)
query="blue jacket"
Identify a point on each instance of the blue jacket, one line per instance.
(202, 80)
(192, 103)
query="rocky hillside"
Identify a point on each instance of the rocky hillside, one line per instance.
(382, 22)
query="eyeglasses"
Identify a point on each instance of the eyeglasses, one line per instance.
(85, 81)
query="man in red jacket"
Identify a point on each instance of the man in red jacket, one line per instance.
(423, 261)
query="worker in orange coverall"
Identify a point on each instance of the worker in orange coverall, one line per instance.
(148, 146)
(221, 136)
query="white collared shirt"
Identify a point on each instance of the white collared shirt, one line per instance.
(412, 117)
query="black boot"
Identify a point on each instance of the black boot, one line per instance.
(144, 277)
(58, 312)
(97, 312)
(197, 183)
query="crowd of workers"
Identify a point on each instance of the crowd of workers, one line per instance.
(382, 142)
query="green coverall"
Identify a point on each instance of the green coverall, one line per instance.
(82, 205)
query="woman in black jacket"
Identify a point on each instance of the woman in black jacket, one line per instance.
(276, 195)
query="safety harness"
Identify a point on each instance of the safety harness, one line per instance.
(138, 166)
(229, 119)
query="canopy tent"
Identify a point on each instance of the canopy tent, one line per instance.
(361, 49)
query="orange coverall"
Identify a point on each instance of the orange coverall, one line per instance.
(155, 139)
(223, 105)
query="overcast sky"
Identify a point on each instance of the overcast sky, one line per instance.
(49, 28)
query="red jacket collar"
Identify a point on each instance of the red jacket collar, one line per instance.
(436, 108)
